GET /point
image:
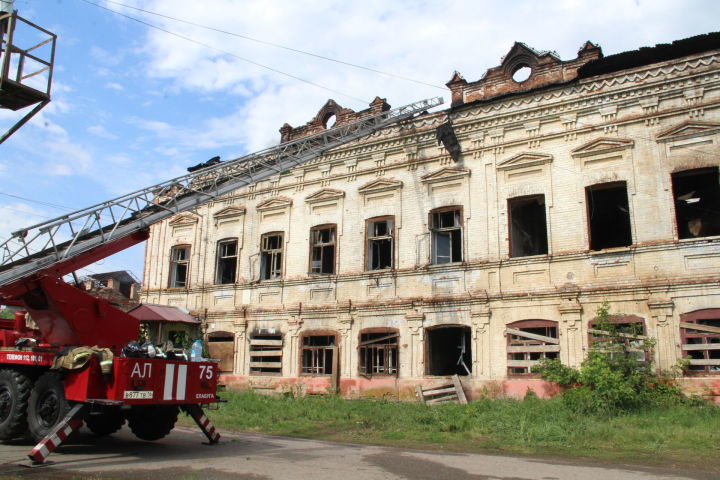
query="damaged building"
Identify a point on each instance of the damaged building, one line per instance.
(476, 240)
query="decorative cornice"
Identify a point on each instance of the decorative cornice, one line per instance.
(688, 129)
(380, 185)
(524, 159)
(276, 203)
(601, 146)
(324, 194)
(448, 173)
(229, 212)
(184, 219)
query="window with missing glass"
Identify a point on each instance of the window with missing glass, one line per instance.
(378, 352)
(319, 353)
(271, 253)
(380, 243)
(528, 342)
(179, 266)
(697, 202)
(322, 249)
(226, 265)
(619, 335)
(446, 229)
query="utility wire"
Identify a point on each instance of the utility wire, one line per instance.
(277, 45)
(53, 205)
(252, 62)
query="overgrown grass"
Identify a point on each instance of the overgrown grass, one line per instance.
(686, 435)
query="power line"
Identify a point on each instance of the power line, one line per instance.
(277, 45)
(252, 62)
(53, 205)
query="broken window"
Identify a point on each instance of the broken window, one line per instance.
(446, 227)
(528, 227)
(529, 341)
(221, 346)
(266, 347)
(271, 252)
(608, 216)
(179, 265)
(449, 350)
(697, 202)
(378, 352)
(380, 243)
(322, 249)
(319, 354)
(700, 335)
(227, 251)
(626, 331)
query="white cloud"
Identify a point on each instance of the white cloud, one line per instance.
(114, 86)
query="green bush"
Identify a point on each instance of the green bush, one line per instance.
(618, 374)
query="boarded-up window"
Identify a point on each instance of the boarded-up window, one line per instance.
(700, 334)
(619, 333)
(529, 341)
(266, 350)
(319, 354)
(221, 346)
(378, 352)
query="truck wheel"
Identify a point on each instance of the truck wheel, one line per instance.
(152, 422)
(14, 393)
(106, 422)
(47, 405)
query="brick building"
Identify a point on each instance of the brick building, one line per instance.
(395, 261)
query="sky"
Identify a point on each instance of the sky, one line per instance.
(138, 96)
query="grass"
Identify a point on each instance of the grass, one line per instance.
(683, 435)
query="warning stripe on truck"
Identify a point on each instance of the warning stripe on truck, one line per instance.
(175, 386)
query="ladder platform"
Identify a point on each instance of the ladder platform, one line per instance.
(16, 96)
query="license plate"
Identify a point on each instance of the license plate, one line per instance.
(136, 395)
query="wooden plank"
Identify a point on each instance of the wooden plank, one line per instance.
(533, 348)
(618, 334)
(435, 401)
(703, 362)
(419, 392)
(439, 391)
(459, 389)
(266, 353)
(522, 363)
(381, 339)
(702, 328)
(265, 364)
(531, 336)
(701, 346)
(265, 343)
(223, 351)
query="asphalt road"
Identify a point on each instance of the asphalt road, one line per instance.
(183, 456)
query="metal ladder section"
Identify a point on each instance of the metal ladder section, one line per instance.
(35, 248)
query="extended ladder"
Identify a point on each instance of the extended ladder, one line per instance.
(41, 246)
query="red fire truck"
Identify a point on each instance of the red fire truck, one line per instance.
(70, 364)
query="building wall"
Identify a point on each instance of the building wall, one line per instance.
(639, 126)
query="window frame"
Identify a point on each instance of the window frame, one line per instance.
(369, 239)
(589, 208)
(386, 350)
(524, 200)
(335, 347)
(322, 246)
(436, 231)
(683, 210)
(174, 263)
(695, 317)
(529, 347)
(219, 258)
(273, 255)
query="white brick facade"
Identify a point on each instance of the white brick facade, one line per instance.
(634, 127)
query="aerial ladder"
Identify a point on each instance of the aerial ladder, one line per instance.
(146, 392)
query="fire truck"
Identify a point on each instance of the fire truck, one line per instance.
(70, 363)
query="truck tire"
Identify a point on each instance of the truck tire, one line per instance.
(152, 422)
(14, 393)
(47, 405)
(106, 422)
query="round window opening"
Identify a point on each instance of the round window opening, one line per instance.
(330, 120)
(522, 73)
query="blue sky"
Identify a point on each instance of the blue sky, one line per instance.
(134, 105)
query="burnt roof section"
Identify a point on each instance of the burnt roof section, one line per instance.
(649, 55)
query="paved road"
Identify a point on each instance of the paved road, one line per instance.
(182, 456)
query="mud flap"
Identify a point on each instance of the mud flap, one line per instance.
(203, 422)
